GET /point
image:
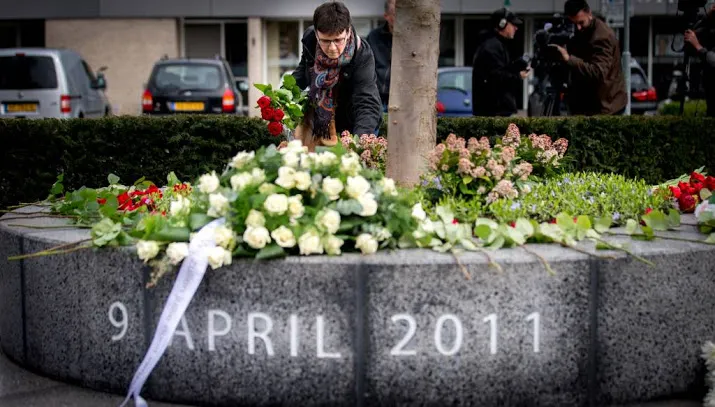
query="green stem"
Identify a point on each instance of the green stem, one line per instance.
(461, 267)
(47, 253)
(546, 264)
(17, 225)
(630, 253)
(604, 257)
(43, 216)
(24, 204)
(680, 239)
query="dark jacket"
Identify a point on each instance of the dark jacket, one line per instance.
(380, 40)
(358, 108)
(495, 82)
(707, 58)
(597, 84)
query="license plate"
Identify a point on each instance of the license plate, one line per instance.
(21, 107)
(189, 106)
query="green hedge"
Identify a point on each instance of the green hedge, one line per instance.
(35, 151)
(692, 108)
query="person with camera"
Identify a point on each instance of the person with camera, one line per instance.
(593, 60)
(495, 78)
(706, 56)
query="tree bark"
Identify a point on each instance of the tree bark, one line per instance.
(412, 119)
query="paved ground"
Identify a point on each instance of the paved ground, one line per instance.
(20, 388)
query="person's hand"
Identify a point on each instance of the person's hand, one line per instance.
(564, 54)
(525, 74)
(691, 38)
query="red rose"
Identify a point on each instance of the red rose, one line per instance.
(710, 183)
(278, 115)
(695, 177)
(675, 191)
(267, 113)
(685, 188)
(264, 102)
(687, 203)
(275, 128)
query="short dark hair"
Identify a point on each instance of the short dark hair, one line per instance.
(573, 7)
(331, 18)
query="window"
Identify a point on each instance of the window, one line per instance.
(27, 72)
(461, 80)
(88, 71)
(447, 50)
(188, 76)
(281, 49)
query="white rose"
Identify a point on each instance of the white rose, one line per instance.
(180, 206)
(177, 252)
(147, 249)
(258, 176)
(224, 236)
(350, 164)
(366, 243)
(369, 205)
(291, 159)
(332, 188)
(302, 180)
(294, 146)
(208, 183)
(326, 158)
(357, 187)
(295, 206)
(276, 204)
(307, 160)
(330, 220)
(418, 213)
(218, 256)
(332, 245)
(242, 159)
(309, 243)
(267, 189)
(283, 237)
(286, 177)
(388, 186)
(218, 205)
(241, 181)
(255, 219)
(257, 237)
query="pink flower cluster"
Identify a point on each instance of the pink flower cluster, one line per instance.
(371, 148)
(512, 136)
(551, 151)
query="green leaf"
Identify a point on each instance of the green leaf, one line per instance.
(673, 218)
(263, 88)
(583, 222)
(271, 251)
(171, 234)
(284, 95)
(198, 220)
(705, 194)
(463, 188)
(524, 227)
(656, 220)
(603, 224)
(109, 209)
(514, 235)
(104, 232)
(289, 81)
(468, 244)
(348, 207)
(710, 239)
(631, 226)
(113, 179)
(483, 232)
(467, 180)
(58, 188)
(445, 214)
(172, 179)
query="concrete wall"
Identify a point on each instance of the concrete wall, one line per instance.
(128, 47)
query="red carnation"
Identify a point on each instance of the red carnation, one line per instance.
(687, 203)
(675, 191)
(264, 102)
(696, 177)
(278, 115)
(267, 113)
(685, 188)
(275, 128)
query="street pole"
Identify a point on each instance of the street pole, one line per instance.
(627, 52)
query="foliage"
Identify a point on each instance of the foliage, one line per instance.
(590, 194)
(692, 108)
(284, 105)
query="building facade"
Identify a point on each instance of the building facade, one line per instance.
(261, 39)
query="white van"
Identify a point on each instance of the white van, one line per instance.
(56, 83)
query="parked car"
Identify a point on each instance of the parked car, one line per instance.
(54, 83)
(644, 98)
(188, 85)
(454, 91)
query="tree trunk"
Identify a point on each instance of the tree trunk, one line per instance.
(412, 119)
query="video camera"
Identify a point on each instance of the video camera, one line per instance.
(558, 31)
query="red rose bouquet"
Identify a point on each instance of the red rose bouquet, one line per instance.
(283, 107)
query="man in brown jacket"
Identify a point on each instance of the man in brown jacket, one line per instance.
(597, 85)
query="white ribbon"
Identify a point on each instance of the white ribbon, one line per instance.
(187, 282)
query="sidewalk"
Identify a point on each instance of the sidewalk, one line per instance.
(20, 388)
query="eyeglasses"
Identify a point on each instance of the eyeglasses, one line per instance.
(338, 42)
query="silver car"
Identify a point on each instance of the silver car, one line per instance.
(56, 83)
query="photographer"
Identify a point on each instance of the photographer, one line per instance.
(708, 59)
(594, 64)
(495, 79)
